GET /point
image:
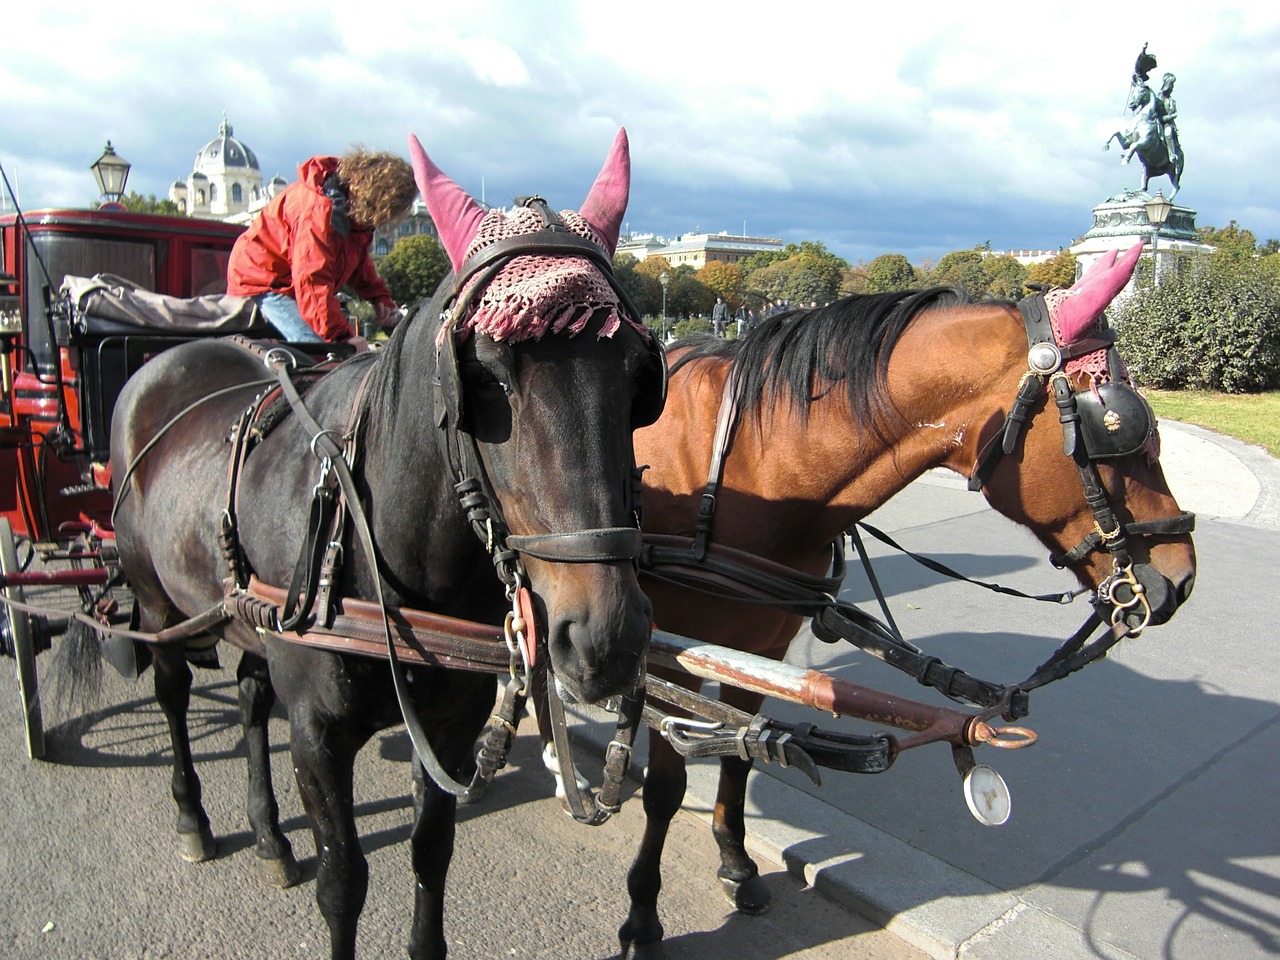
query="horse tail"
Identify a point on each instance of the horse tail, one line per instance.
(77, 664)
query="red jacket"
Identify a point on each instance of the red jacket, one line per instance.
(303, 245)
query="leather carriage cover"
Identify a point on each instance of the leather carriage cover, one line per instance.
(107, 297)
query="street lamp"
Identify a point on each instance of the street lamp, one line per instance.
(111, 171)
(1158, 209)
(664, 278)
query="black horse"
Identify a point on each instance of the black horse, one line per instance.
(535, 379)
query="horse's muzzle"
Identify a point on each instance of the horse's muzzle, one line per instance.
(1161, 594)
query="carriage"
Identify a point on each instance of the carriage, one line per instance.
(66, 364)
(62, 369)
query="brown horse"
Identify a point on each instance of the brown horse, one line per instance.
(844, 406)
(515, 392)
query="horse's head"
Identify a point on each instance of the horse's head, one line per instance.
(1088, 479)
(544, 371)
(1140, 97)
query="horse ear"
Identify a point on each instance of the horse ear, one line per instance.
(1091, 294)
(456, 215)
(607, 200)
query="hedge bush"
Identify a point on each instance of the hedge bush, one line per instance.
(1216, 326)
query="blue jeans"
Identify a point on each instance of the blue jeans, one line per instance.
(282, 313)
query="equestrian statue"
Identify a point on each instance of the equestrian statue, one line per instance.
(1153, 128)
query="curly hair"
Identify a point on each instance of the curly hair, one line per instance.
(381, 186)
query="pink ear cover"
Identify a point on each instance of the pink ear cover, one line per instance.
(456, 215)
(1076, 310)
(606, 202)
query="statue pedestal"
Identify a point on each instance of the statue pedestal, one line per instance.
(1122, 221)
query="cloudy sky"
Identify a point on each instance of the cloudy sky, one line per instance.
(914, 128)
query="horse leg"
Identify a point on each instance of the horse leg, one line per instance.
(738, 873)
(434, 829)
(276, 863)
(173, 691)
(432, 845)
(324, 760)
(664, 787)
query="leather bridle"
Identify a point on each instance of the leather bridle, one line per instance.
(1122, 590)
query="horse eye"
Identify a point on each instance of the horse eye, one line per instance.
(484, 381)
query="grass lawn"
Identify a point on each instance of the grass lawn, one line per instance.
(1251, 417)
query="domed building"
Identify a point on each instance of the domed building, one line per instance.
(225, 182)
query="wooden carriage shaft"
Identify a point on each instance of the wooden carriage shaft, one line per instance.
(86, 576)
(809, 688)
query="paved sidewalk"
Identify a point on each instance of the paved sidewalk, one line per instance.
(1145, 820)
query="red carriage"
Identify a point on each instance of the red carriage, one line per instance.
(62, 369)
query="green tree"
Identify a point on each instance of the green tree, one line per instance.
(687, 294)
(890, 272)
(853, 280)
(137, 203)
(645, 291)
(961, 268)
(724, 280)
(1058, 271)
(1006, 277)
(1232, 239)
(816, 272)
(414, 268)
(814, 258)
(758, 261)
(1214, 327)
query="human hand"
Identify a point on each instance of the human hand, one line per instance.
(387, 314)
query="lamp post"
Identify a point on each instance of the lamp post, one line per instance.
(111, 171)
(664, 278)
(1158, 209)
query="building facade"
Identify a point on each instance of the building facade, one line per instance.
(699, 249)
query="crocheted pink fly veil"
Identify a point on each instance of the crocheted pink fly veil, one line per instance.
(533, 294)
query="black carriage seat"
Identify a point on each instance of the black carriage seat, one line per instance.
(111, 326)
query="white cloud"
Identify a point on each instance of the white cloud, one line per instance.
(818, 119)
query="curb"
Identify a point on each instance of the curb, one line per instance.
(940, 909)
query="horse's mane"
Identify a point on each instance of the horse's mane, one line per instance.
(799, 356)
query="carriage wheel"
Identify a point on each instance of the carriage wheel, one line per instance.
(16, 626)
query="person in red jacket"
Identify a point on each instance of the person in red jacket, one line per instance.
(313, 239)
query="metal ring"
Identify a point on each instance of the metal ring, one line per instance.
(1021, 737)
(279, 355)
(333, 435)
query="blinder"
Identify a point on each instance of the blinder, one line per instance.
(651, 392)
(1114, 422)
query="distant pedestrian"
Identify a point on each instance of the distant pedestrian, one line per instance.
(720, 317)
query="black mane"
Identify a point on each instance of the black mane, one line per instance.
(797, 357)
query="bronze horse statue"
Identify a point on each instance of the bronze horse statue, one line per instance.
(1146, 138)
(516, 389)
(841, 407)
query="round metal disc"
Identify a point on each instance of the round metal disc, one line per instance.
(18, 626)
(987, 796)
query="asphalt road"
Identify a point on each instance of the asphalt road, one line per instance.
(89, 868)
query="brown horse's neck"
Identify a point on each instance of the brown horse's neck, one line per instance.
(791, 485)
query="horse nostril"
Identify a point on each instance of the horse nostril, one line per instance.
(1184, 589)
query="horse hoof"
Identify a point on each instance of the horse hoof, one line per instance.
(750, 896)
(642, 951)
(282, 872)
(197, 847)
